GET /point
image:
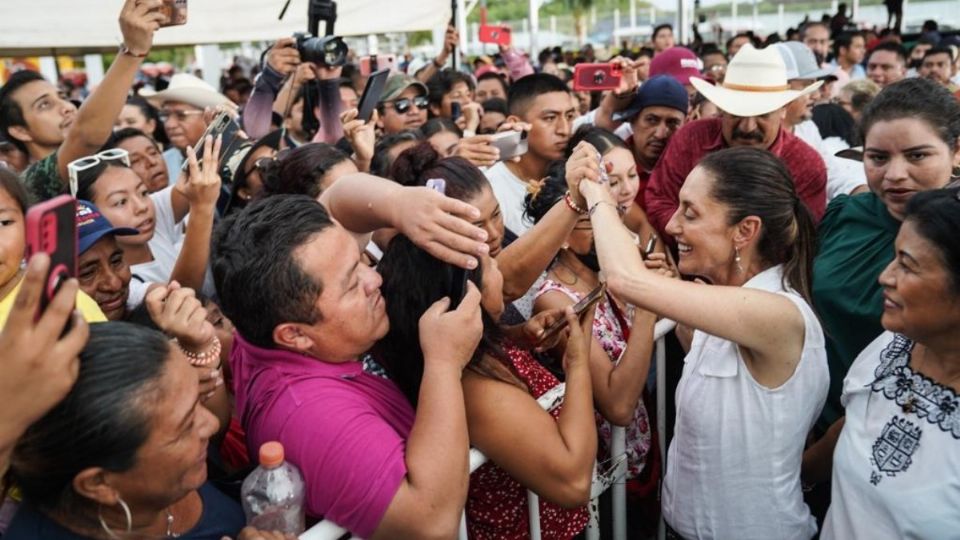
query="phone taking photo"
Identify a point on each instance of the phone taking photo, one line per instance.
(51, 228)
(224, 126)
(372, 93)
(375, 62)
(511, 144)
(175, 12)
(458, 276)
(590, 77)
(581, 307)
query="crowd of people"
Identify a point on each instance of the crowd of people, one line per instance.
(792, 204)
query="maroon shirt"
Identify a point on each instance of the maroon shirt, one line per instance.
(696, 139)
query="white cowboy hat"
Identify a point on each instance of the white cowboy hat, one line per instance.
(188, 89)
(755, 84)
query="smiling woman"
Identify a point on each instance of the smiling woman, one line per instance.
(124, 451)
(911, 132)
(902, 394)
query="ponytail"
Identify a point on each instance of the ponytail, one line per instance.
(753, 182)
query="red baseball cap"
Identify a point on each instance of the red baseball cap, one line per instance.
(678, 62)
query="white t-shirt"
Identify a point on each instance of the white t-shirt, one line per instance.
(733, 469)
(510, 192)
(843, 175)
(165, 247)
(896, 474)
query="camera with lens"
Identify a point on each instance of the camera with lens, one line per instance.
(329, 51)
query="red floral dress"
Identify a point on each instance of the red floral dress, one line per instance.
(496, 503)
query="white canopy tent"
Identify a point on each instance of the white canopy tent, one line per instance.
(40, 27)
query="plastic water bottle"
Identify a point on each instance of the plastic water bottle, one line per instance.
(273, 493)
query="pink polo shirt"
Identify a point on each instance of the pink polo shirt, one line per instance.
(345, 429)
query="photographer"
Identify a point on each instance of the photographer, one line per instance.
(285, 78)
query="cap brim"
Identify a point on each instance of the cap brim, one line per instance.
(626, 115)
(747, 103)
(855, 153)
(86, 242)
(419, 85)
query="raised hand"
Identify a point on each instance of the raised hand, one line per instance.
(452, 337)
(440, 225)
(284, 57)
(478, 150)
(39, 365)
(202, 182)
(139, 19)
(361, 135)
(178, 313)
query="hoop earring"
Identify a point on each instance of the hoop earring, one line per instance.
(736, 259)
(126, 513)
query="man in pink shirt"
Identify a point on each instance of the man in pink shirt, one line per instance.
(306, 307)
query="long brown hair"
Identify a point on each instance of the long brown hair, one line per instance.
(754, 182)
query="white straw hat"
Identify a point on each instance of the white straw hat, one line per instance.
(755, 84)
(188, 89)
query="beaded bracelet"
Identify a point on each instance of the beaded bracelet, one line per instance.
(567, 198)
(205, 358)
(598, 203)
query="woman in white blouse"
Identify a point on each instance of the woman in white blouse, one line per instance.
(896, 466)
(755, 376)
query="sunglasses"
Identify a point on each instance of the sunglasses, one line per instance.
(402, 105)
(78, 166)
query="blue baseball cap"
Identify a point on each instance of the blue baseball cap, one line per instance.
(659, 91)
(92, 226)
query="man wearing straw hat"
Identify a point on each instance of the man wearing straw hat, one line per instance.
(181, 106)
(752, 98)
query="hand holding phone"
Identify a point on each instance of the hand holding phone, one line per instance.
(51, 228)
(498, 35)
(590, 77)
(581, 307)
(225, 127)
(458, 277)
(511, 144)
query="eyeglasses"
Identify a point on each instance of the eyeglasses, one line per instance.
(402, 105)
(179, 116)
(76, 167)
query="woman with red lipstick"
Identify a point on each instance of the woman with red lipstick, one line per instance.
(894, 455)
(911, 134)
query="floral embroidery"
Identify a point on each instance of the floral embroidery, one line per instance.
(914, 391)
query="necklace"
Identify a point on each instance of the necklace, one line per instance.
(170, 533)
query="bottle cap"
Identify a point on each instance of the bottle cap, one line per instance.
(271, 454)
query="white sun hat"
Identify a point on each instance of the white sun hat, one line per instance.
(755, 84)
(188, 89)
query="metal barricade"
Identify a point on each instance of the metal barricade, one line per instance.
(326, 530)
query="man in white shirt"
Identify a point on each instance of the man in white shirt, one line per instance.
(843, 176)
(543, 102)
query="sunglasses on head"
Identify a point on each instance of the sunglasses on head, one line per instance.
(78, 166)
(402, 105)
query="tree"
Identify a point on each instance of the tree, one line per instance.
(580, 8)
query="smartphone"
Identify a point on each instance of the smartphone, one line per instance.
(175, 12)
(52, 229)
(458, 276)
(372, 93)
(579, 309)
(223, 126)
(589, 77)
(511, 144)
(498, 35)
(376, 62)
(456, 110)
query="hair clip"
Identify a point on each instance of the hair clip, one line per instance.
(534, 187)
